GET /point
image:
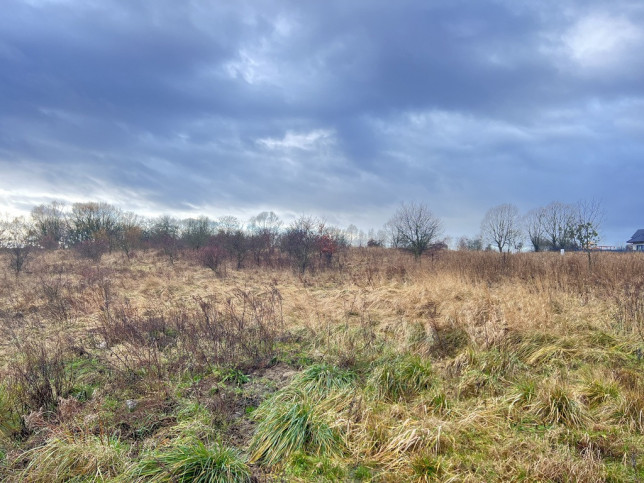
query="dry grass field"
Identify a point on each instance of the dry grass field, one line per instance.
(464, 367)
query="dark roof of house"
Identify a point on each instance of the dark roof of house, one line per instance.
(638, 237)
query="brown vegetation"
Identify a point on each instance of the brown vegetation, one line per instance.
(460, 366)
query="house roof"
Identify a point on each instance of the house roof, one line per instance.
(638, 237)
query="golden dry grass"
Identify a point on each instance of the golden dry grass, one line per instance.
(532, 364)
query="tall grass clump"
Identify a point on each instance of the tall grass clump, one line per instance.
(9, 420)
(522, 394)
(297, 423)
(597, 392)
(555, 403)
(68, 456)
(322, 379)
(629, 410)
(192, 461)
(401, 377)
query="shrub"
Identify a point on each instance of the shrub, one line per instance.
(56, 294)
(40, 376)
(234, 376)
(213, 257)
(240, 332)
(92, 249)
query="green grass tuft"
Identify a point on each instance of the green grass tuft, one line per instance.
(192, 461)
(234, 376)
(427, 467)
(314, 468)
(9, 419)
(522, 395)
(556, 404)
(324, 378)
(401, 377)
(598, 392)
(296, 424)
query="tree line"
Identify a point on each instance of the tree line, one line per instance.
(95, 228)
(555, 226)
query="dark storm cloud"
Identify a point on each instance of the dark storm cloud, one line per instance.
(343, 108)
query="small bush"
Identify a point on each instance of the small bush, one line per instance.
(40, 376)
(234, 376)
(213, 257)
(92, 249)
(56, 294)
(238, 333)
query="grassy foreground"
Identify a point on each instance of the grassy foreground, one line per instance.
(464, 367)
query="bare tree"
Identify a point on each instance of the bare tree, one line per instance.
(129, 233)
(228, 224)
(589, 216)
(197, 231)
(264, 230)
(94, 222)
(558, 225)
(469, 244)
(362, 238)
(300, 241)
(18, 237)
(501, 226)
(351, 234)
(391, 234)
(415, 227)
(164, 234)
(266, 221)
(236, 243)
(533, 223)
(50, 224)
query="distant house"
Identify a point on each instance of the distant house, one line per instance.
(637, 240)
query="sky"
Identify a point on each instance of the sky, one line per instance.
(335, 108)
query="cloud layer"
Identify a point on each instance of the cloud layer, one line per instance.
(337, 108)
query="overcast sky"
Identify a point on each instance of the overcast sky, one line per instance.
(338, 108)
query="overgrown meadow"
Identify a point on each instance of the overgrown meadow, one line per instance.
(460, 366)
